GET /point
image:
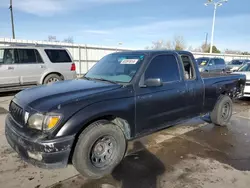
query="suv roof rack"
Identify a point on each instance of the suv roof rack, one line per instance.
(35, 45)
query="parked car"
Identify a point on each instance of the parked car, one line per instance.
(207, 64)
(235, 64)
(88, 121)
(245, 69)
(22, 67)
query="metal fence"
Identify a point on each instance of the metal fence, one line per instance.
(85, 56)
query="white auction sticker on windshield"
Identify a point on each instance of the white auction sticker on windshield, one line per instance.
(129, 61)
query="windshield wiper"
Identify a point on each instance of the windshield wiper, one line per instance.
(105, 80)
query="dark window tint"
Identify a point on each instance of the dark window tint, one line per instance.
(211, 62)
(189, 71)
(164, 67)
(26, 56)
(38, 57)
(219, 62)
(58, 56)
(7, 56)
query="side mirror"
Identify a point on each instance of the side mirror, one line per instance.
(153, 82)
(210, 64)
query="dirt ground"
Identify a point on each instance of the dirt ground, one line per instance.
(194, 154)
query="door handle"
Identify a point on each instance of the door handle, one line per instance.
(10, 68)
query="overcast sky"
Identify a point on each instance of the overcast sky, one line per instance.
(135, 23)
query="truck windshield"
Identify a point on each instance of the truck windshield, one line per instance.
(236, 62)
(116, 67)
(245, 68)
(202, 61)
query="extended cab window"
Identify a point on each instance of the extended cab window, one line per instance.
(27, 56)
(188, 65)
(164, 67)
(58, 56)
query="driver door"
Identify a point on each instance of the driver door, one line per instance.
(211, 66)
(156, 106)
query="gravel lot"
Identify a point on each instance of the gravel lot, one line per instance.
(194, 154)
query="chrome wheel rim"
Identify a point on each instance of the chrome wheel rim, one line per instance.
(52, 80)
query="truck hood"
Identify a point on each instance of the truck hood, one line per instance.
(233, 67)
(43, 98)
(244, 73)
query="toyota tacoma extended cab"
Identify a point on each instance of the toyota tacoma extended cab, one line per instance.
(88, 121)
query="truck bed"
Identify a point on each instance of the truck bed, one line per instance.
(213, 78)
(205, 75)
(215, 83)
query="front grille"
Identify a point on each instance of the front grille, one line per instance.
(17, 113)
(248, 84)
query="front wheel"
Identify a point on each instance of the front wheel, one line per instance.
(99, 149)
(222, 111)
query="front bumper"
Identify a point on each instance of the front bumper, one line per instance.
(247, 90)
(42, 153)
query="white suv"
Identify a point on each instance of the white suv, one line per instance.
(22, 67)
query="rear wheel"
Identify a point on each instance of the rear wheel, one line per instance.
(99, 149)
(222, 112)
(51, 78)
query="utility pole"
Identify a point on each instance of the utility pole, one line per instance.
(216, 5)
(12, 20)
(206, 40)
(212, 33)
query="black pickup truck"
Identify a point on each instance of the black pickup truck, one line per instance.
(88, 121)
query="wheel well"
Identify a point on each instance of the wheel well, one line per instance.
(57, 73)
(122, 123)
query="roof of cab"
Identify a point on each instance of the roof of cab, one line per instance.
(153, 52)
(31, 47)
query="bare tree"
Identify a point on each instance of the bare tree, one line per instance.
(228, 51)
(68, 40)
(52, 38)
(169, 45)
(179, 43)
(205, 47)
(158, 45)
(197, 49)
(190, 48)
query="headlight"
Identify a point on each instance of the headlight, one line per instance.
(36, 121)
(43, 122)
(201, 69)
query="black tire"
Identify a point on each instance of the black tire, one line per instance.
(222, 111)
(51, 78)
(84, 156)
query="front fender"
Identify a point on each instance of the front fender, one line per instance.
(120, 108)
